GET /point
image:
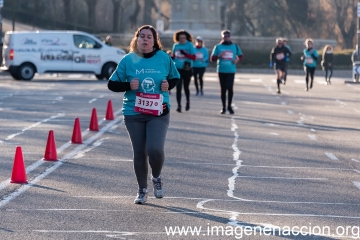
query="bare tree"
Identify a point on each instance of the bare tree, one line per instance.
(346, 15)
(134, 16)
(92, 14)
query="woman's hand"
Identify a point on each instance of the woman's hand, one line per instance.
(236, 60)
(134, 84)
(164, 86)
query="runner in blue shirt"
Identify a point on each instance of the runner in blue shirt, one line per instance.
(183, 53)
(146, 75)
(200, 64)
(310, 57)
(227, 55)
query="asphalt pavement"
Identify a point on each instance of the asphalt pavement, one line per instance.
(282, 167)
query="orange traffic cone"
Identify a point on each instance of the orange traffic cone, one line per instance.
(94, 125)
(76, 136)
(18, 171)
(50, 151)
(109, 111)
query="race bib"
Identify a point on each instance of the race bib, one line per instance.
(228, 55)
(280, 56)
(309, 60)
(148, 103)
(178, 54)
(199, 56)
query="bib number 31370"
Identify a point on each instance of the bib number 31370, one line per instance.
(148, 103)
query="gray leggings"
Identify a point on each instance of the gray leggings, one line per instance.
(147, 134)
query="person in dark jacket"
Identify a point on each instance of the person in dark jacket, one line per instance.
(278, 58)
(327, 62)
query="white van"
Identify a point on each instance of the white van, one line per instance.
(30, 52)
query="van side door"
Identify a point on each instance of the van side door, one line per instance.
(88, 54)
(56, 52)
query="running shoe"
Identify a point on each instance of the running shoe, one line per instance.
(231, 111)
(141, 196)
(158, 189)
(223, 111)
(202, 93)
(278, 91)
(187, 108)
(178, 109)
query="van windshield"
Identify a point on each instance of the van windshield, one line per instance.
(82, 41)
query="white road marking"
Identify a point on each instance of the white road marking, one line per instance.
(299, 81)
(82, 153)
(312, 137)
(301, 123)
(283, 103)
(356, 170)
(357, 184)
(288, 178)
(290, 112)
(34, 125)
(331, 156)
(57, 164)
(275, 134)
(355, 160)
(321, 82)
(313, 130)
(340, 102)
(271, 124)
(255, 80)
(268, 88)
(92, 100)
(356, 110)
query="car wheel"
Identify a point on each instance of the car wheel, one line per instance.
(99, 77)
(26, 71)
(108, 70)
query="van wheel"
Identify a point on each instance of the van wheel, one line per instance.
(99, 77)
(26, 71)
(108, 69)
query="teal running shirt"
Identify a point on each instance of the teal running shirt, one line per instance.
(202, 57)
(150, 72)
(226, 65)
(180, 58)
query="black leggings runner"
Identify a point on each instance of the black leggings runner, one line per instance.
(226, 84)
(185, 77)
(199, 72)
(310, 71)
(147, 134)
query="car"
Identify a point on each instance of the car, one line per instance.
(28, 52)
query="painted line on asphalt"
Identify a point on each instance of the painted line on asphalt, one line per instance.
(290, 112)
(92, 100)
(34, 125)
(269, 88)
(357, 184)
(37, 164)
(356, 110)
(331, 156)
(355, 160)
(313, 130)
(340, 102)
(275, 134)
(356, 170)
(288, 178)
(255, 80)
(57, 164)
(312, 137)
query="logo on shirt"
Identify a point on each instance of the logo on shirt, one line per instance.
(147, 70)
(148, 84)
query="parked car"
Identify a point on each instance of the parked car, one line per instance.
(28, 52)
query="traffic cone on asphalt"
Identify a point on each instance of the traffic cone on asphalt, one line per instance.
(76, 136)
(109, 111)
(94, 125)
(18, 171)
(50, 151)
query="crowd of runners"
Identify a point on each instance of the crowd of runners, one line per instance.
(147, 74)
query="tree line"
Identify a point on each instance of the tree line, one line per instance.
(326, 19)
